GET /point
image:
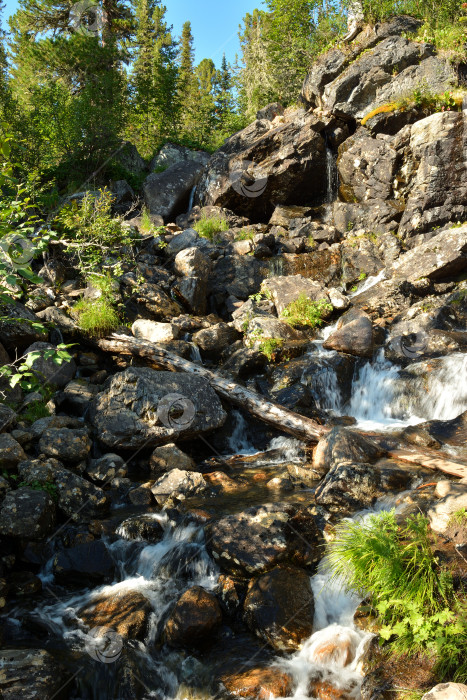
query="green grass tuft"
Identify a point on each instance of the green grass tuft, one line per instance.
(304, 312)
(208, 227)
(96, 316)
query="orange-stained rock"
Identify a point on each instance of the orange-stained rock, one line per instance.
(224, 483)
(259, 683)
(127, 612)
(194, 620)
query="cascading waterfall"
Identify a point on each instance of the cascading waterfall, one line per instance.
(238, 441)
(369, 283)
(332, 176)
(192, 199)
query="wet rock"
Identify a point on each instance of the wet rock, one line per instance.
(54, 372)
(29, 674)
(16, 327)
(447, 691)
(304, 475)
(223, 483)
(169, 457)
(24, 583)
(348, 487)
(354, 334)
(155, 332)
(27, 513)
(89, 561)
(341, 444)
(178, 485)
(238, 276)
(126, 612)
(261, 683)
(65, 444)
(194, 620)
(285, 290)
(215, 339)
(141, 496)
(106, 468)
(325, 686)
(335, 646)
(260, 537)
(11, 452)
(167, 193)
(140, 528)
(279, 608)
(443, 256)
(144, 407)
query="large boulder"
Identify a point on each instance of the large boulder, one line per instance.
(11, 452)
(215, 339)
(447, 691)
(238, 276)
(178, 484)
(439, 193)
(442, 257)
(261, 683)
(279, 608)
(263, 165)
(150, 301)
(29, 674)
(194, 620)
(348, 487)
(27, 513)
(168, 457)
(341, 444)
(167, 194)
(155, 331)
(66, 444)
(285, 290)
(354, 334)
(258, 538)
(366, 168)
(126, 612)
(144, 407)
(172, 153)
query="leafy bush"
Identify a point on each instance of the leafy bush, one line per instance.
(304, 312)
(21, 371)
(397, 569)
(208, 227)
(269, 346)
(91, 233)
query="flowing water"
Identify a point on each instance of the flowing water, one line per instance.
(332, 176)
(192, 199)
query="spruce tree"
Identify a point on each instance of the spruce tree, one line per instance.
(4, 90)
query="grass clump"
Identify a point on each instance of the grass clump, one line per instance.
(209, 227)
(270, 346)
(246, 234)
(413, 596)
(96, 316)
(304, 312)
(34, 411)
(458, 518)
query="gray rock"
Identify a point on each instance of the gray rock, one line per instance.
(442, 257)
(131, 160)
(167, 193)
(7, 417)
(155, 332)
(447, 691)
(66, 444)
(16, 327)
(11, 452)
(194, 620)
(169, 457)
(452, 498)
(77, 396)
(122, 192)
(89, 561)
(137, 408)
(366, 168)
(106, 468)
(27, 513)
(262, 327)
(348, 487)
(341, 444)
(270, 111)
(182, 241)
(255, 540)
(285, 290)
(216, 338)
(238, 275)
(192, 262)
(172, 153)
(193, 291)
(178, 485)
(279, 608)
(150, 301)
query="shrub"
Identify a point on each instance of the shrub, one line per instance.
(269, 347)
(397, 569)
(304, 312)
(208, 227)
(34, 411)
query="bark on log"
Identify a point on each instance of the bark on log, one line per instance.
(267, 411)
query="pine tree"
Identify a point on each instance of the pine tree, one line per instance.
(224, 99)
(4, 89)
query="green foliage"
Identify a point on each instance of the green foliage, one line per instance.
(22, 372)
(246, 234)
(34, 411)
(304, 312)
(91, 233)
(362, 276)
(96, 316)
(458, 518)
(269, 347)
(396, 567)
(46, 486)
(208, 227)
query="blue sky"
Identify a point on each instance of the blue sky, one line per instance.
(214, 24)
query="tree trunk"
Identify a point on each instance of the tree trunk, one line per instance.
(267, 411)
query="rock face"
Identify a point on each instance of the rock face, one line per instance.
(27, 513)
(30, 674)
(141, 407)
(262, 165)
(443, 256)
(447, 691)
(127, 612)
(172, 153)
(366, 168)
(167, 193)
(260, 537)
(279, 608)
(194, 620)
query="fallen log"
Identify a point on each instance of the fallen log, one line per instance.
(430, 460)
(267, 411)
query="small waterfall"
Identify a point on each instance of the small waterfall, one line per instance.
(192, 199)
(195, 354)
(276, 266)
(332, 176)
(292, 450)
(369, 283)
(238, 441)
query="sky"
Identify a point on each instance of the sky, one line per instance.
(214, 24)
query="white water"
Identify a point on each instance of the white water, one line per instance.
(369, 283)
(238, 441)
(332, 177)
(192, 199)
